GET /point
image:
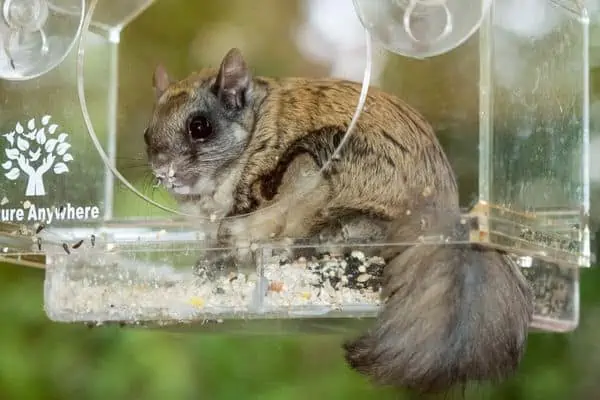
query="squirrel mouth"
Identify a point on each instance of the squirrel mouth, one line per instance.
(174, 187)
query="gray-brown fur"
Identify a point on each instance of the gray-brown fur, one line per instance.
(452, 313)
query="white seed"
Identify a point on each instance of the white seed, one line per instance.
(138, 291)
(358, 255)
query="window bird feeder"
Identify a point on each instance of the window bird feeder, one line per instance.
(61, 184)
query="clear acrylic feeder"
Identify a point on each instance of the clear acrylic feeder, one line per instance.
(534, 149)
(112, 255)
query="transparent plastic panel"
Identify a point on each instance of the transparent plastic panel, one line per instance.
(534, 165)
(159, 277)
(52, 173)
(152, 284)
(535, 133)
(114, 255)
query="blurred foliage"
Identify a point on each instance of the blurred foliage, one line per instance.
(42, 360)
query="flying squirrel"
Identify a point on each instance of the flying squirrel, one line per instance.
(226, 143)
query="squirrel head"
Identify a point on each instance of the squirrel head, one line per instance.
(200, 125)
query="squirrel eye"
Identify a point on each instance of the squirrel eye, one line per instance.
(199, 128)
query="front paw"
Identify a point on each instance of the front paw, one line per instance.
(234, 231)
(237, 237)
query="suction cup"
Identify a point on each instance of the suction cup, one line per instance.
(37, 35)
(421, 28)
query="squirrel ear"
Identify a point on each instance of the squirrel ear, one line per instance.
(161, 80)
(233, 80)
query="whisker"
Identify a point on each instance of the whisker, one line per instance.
(132, 160)
(147, 182)
(132, 166)
(139, 156)
(151, 186)
(152, 190)
(140, 159)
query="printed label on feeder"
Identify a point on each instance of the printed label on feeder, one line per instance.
(30, 213)
(31, 153)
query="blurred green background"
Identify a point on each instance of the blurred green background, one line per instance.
(42, 360)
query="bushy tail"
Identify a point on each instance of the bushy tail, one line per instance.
(453, 314)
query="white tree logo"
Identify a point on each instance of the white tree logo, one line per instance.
(33, 151)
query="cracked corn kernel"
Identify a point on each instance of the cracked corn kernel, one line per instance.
(276, 286)
(197, 302)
